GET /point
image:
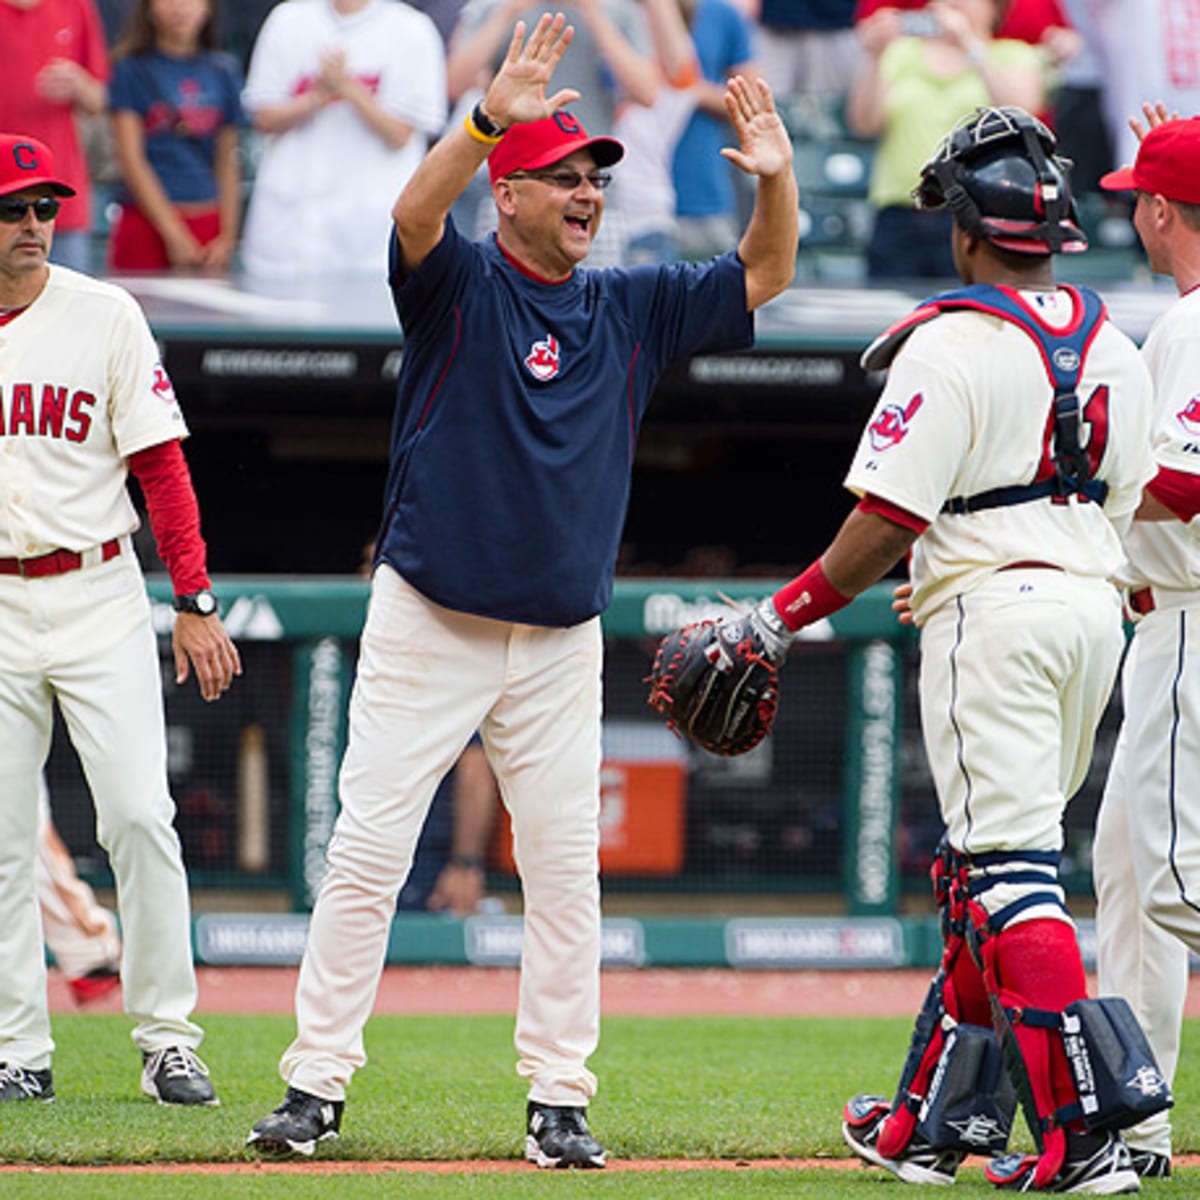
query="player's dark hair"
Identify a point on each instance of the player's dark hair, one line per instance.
(140, 36)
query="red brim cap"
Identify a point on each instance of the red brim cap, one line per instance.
(1167, 164)
(533, 144)
(1118, 181)
(26, 162)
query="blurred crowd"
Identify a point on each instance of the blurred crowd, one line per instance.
(272, 138)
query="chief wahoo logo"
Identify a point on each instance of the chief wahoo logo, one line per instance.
(161, 385)
(543, 359)
(1189, 415)
(890, 427)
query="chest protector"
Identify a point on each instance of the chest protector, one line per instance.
(1063, 354)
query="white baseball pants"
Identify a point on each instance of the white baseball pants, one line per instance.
(85, 639)
(1146, 855)
(1015, 676)
(81, 932)
(427, 678)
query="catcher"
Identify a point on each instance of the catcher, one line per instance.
(1008, 451)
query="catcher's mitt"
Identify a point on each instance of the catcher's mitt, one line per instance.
(715, 684)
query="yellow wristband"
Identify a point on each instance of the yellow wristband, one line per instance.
(481, 135)
(471, 129)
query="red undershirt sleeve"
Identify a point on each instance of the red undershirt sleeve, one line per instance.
(892, 512)
(166, 482)
(1177, 490)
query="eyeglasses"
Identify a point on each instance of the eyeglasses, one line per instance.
(12, 210)
(568, 180)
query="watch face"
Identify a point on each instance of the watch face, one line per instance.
(206, 603)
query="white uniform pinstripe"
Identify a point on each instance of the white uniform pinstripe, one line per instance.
(1146, 860)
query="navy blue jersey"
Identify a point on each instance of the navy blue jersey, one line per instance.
(517, 414)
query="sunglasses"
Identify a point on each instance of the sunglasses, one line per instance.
(12, 210)
(567, 180)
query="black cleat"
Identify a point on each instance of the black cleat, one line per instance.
(174, 1075)
(559, 1137)
(297, 1125)
(1149, 1165)
(19, 1083)
(1097, 1164)
(920, 1162)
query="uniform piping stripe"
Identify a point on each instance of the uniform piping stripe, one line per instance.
(958, 736)
(437, 387)
(629, 400)
(1173, 758)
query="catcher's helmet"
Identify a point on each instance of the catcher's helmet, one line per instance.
(997, 172)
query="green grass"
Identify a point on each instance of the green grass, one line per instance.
(444, 1088)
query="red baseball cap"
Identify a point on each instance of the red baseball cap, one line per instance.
(25, 162)
(1167, 164)
(532, 144)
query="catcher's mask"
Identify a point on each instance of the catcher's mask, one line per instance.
(997, 172)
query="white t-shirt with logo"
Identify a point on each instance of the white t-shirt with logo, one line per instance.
(323, 192)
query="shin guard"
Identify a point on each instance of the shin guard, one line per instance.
(953, 1091)
(1075, 1063)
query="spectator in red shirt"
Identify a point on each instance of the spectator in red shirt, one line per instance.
(56, 66)
(1039, 22)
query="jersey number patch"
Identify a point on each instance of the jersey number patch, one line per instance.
(1093, 437)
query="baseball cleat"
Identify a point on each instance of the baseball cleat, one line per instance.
(559, 1137)
(862, 1119)
(174, 1075)
(19, 1083)
(1149, 1165)
(94, 985)
(1097, 1164)
(297, 1125)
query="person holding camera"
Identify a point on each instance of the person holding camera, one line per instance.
(924, 70)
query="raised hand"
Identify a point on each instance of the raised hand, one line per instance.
(1155, 114)
(518, 92)
(765, 147)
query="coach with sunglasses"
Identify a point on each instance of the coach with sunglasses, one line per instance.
(84, 400)
(525, 377)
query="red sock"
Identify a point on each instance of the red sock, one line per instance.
(1040, 961)
(971, 996)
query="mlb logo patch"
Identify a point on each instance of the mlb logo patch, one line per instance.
(543, 360)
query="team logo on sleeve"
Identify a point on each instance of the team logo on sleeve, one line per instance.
(543, 359)
(1189, 416)
(161, 385)
(891, 425)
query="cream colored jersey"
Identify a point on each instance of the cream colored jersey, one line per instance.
(967, 408)
(81, 389)
(1166, 554)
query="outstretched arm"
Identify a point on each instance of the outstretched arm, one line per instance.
(768, 247)
(517, 94)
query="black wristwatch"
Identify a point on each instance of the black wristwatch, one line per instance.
(203, 603)
(485, 124)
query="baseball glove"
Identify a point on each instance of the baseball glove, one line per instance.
(715, 683)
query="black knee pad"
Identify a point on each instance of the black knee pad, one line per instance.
(970, 1102)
